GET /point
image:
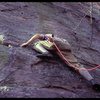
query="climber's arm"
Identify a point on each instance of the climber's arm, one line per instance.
(34, 37)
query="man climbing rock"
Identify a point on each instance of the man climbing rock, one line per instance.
(42, 44)
(45, 43)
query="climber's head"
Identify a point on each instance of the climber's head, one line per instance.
(49, 35)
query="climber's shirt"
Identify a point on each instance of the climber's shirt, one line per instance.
(44, 41)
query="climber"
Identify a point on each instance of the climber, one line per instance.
(44, 44)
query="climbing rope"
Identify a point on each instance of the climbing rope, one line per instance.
(67, 62)
(91, 20)
(91, 10)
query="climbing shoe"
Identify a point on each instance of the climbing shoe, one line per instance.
(95, 85)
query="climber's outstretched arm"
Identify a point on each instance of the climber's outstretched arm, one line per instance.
(34, 37)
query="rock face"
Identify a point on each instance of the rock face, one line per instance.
(22, 74)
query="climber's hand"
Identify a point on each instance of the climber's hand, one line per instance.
(23, 45)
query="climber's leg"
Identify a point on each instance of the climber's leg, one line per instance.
(39, 48)
(84, 72)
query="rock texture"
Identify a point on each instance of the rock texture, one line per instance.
(22, 74)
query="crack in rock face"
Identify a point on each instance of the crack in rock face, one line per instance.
(22, 74)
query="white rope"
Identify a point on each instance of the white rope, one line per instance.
(91, 20)
(79, 23)
(91, 9)
(82, 19)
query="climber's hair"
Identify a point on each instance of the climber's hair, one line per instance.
(50, 33)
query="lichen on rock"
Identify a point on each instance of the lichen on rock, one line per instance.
(4, 55)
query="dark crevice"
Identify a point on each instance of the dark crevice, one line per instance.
(89, 17)
(13, 9)
(89, 48)
(59, 87)
(4, 10)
